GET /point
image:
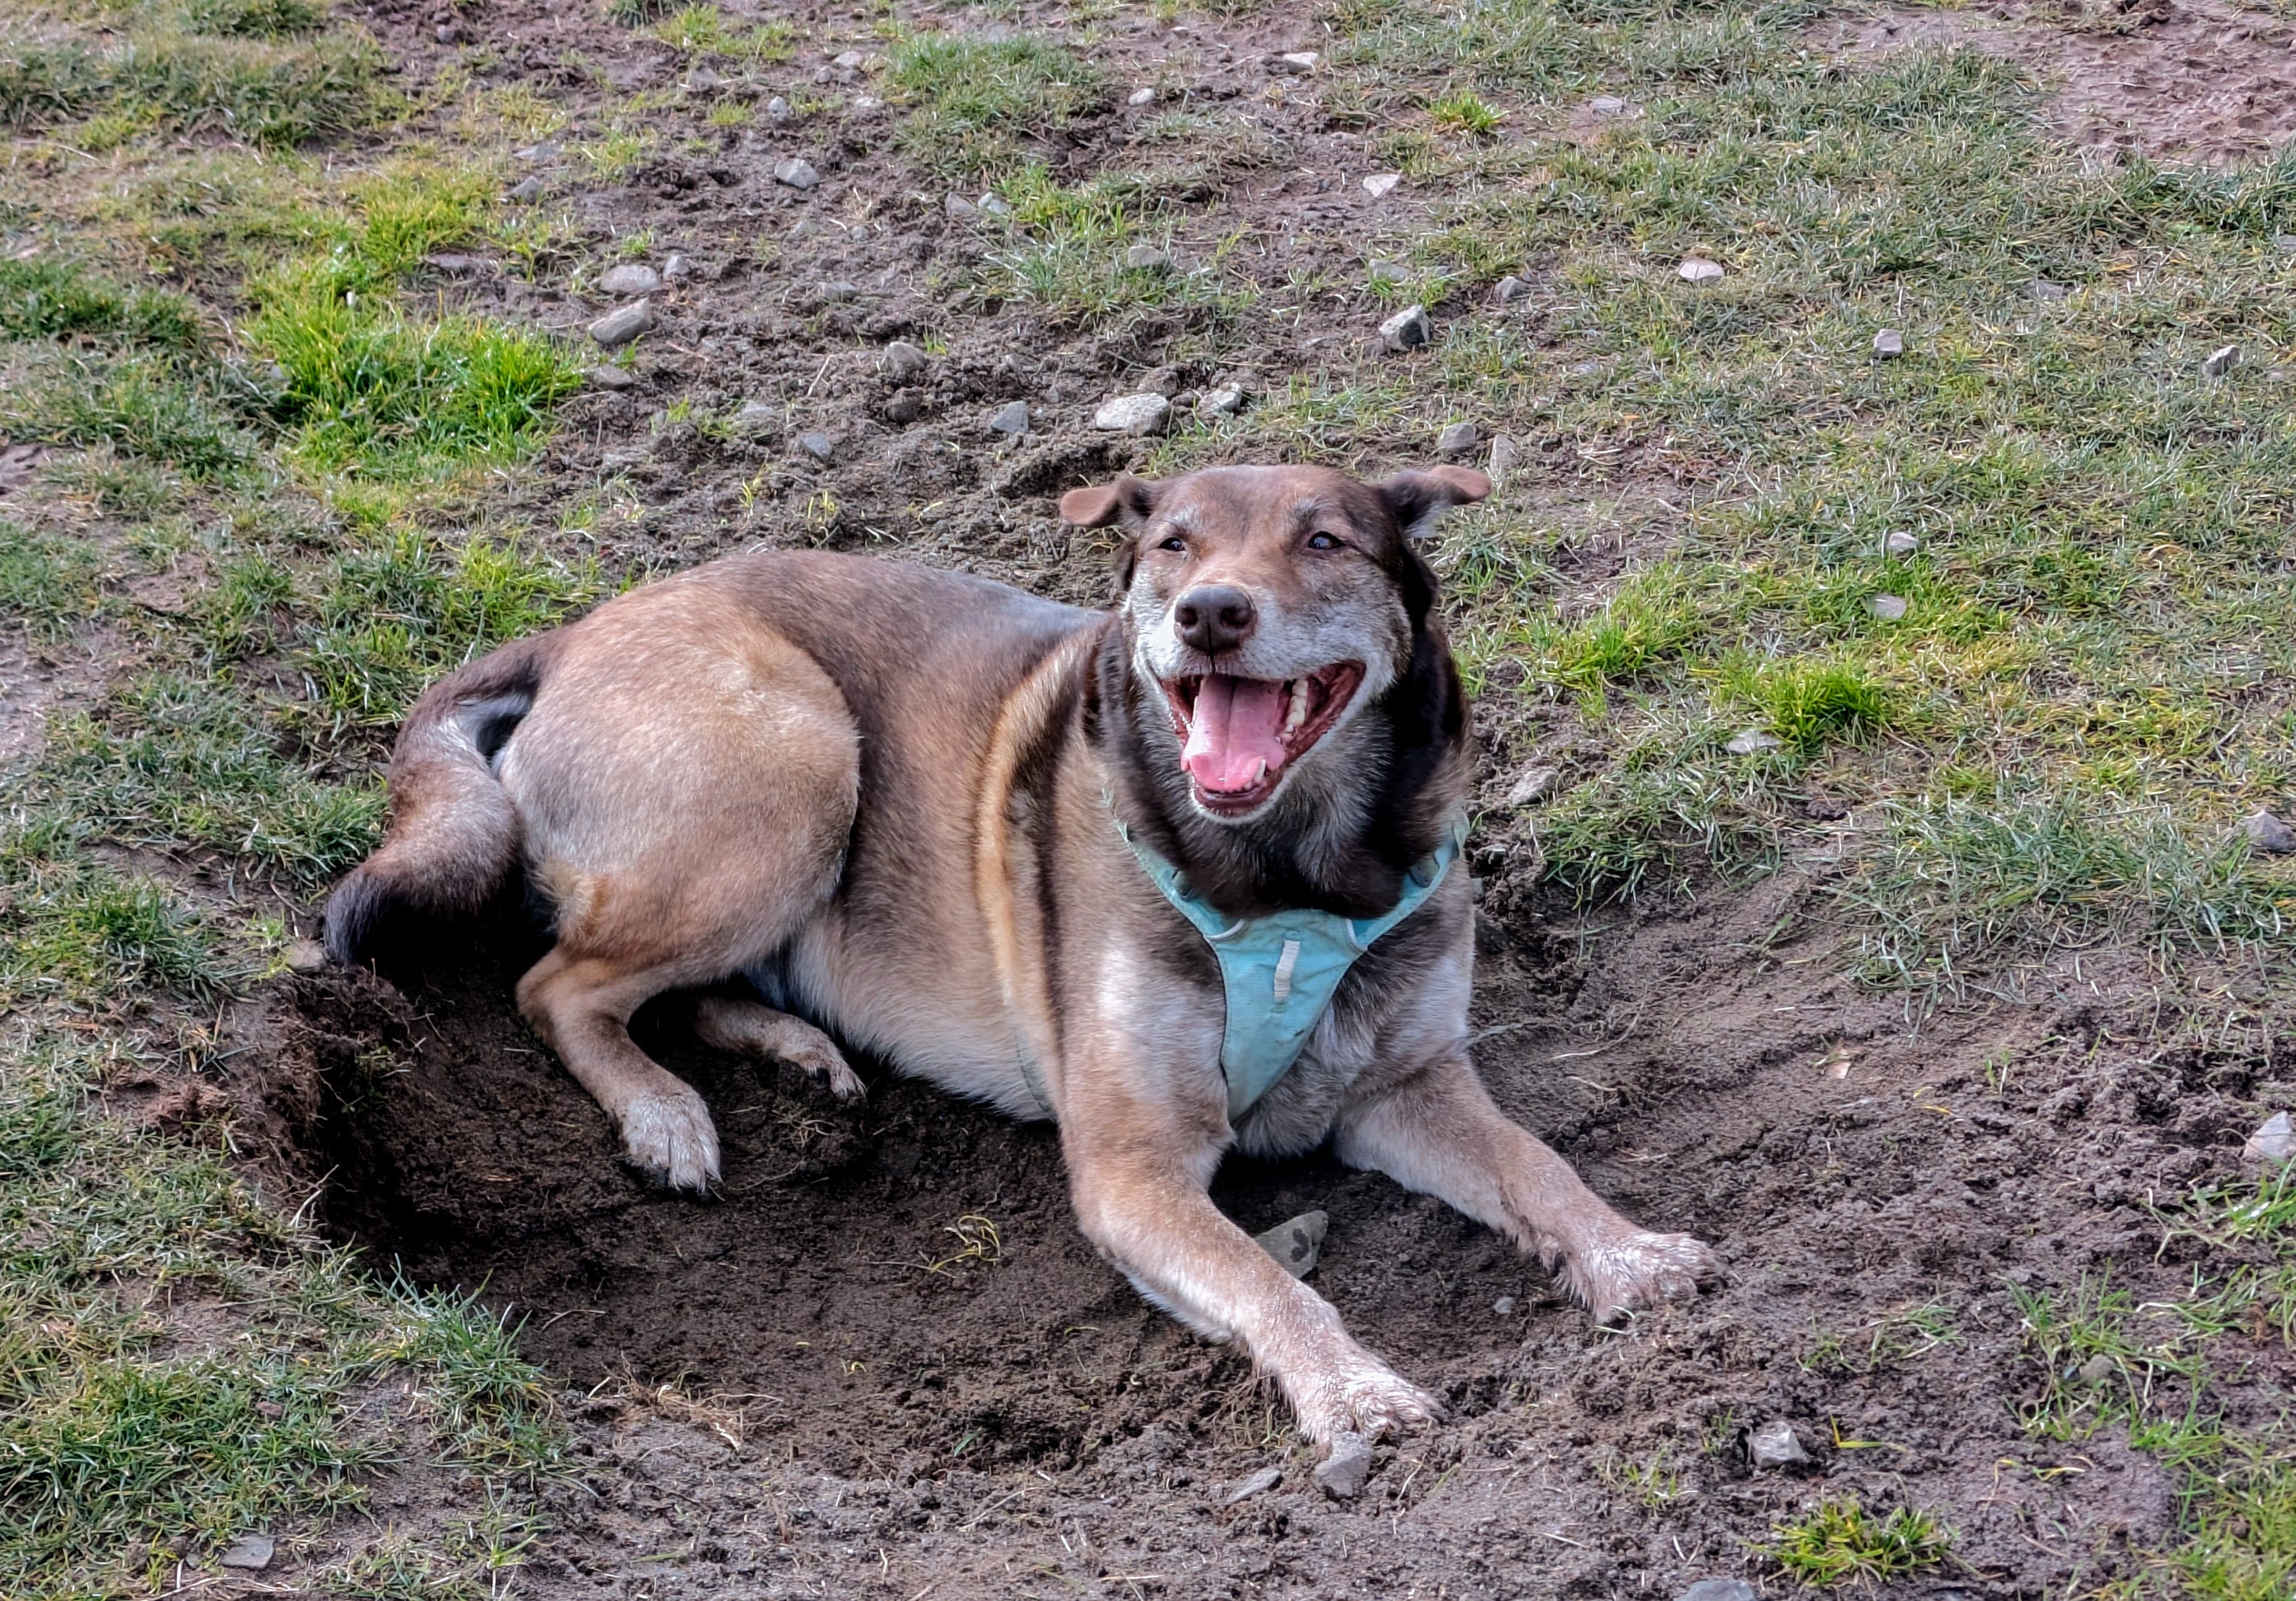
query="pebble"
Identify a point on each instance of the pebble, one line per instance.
(1775, 1444)
(1012, 420)
(797, 172)
(1504, 1306)
(620, 326)
(252, 1552)
(1532, 784)
(1142, 97)
(1144, 414)
(2267, 833)
(306, 956)
(1259, 1483)
(2286, 241)
(1504, 454)
(1382, 183)
(1345, 1471)
(2098, 1369)
(1226, 401)
(1750, 741)
(848, 60)
(1889, 344)
(677, 269)
(1512, 289)
(1293, 61)
(1899, 543)
(838, 291)
(1297, 1243)
(547, 150)
(454, 265)
(2274, 1141)
(1407, 329)
(756, 417)
(1887, 608)
(1697, 269)
(1720, 1589)
(1457, 440)
(447, 33)
(525, 191)
(777, 109)
(995, 204)
(630, 280)
(701, 80)
(1148, 258)
(956, 205)
(611, 378)
(819, 446)
(905, 360)
(904, 406)
(2220, 361)
(1607, 105)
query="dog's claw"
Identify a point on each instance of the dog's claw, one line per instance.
(1373, 1402)
(1638, 1272)
(668, 1136)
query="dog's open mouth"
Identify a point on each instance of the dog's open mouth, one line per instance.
(1238, 734)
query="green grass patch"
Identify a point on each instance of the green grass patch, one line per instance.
(46, 583)
(706, 30)
(1843, 1543)
(266, 93)
(973, 102)
(48, 300)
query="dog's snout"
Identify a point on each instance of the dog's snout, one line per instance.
(1214, 619)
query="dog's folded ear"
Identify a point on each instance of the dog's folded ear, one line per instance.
(1419, 497)
(1128, 500)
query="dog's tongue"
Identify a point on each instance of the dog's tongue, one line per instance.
(1237, 726)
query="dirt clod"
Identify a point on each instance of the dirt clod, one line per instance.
(1347, 1469)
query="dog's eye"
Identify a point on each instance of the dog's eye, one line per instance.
(1172, 541)
(1323, 542)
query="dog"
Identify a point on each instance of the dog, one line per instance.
(1180, 874)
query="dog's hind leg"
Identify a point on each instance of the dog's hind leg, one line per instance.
(752, 1028)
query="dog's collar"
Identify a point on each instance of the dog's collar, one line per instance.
(1281, 970)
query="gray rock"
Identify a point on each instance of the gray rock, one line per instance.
(2220, 361)
(797, 172)
(1720, 1589)
(1142, 97)
(1344, 1472)
(677, 269)
(756, 417)
(1899, 543)
(603, 377)
(1512, 289)
(956, 205)
(2042, 290)
(1294, 61)
(454, 265)
(525, 192)
(2285, 241)
(252, 1552)
(305, 956)
(836, 289)
(819, 446)
(1532, 784)
(1013, 419)
(620, 326)
(2098, 1369)
(777, 109)
(1259, 1483)
(547, 150)
(630, 280)
(1504, 454)
(1382, 183)
(1504, 1306)
(1887, 608)
(1298, 1242)
(848, 60)
(702, 80)
(1144, 414)
(2267, 833)
(1775, 1444)
(905, 361)
(447, 33)
(1226, 401)
(1607, 105)
(1148, 258)
(1407, 330)
(1750, 742)
(1888, 345)
(1697, 269)
(1457, 440)
(993, 204)
(904, 406)
(2274, 1141)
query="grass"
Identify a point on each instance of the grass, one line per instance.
(973, 102)
(706, 30)
(1842, 1543)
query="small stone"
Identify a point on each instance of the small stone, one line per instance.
(604, 377)
(702, 80)
(525, 192)
(1292, 62)
(1504, 1306)
(1012, 420)
(1888, 345)
(677, 269)
(1532, 784)
(993, 204)
(755, 417)
(306, 956)
(1720, 1589)
(447, 33)
(2285, 241)
(620, 327)
(848, 60)
(837, 291)
(1457, 440)
(819, 446)
(1380, 183)
(1141, 96)
(797, 172)
(2267, 833)
(1697, 269)
(1144, 414)
(1297, 1243)
(1148, 258)
(2220, 361)
(2274, 1141)
(1512, 289)
(630, 280)
(1505, 453)
(547, 150)
(1775, 1444)
(1889, 608)
(1226, 401)
(905, 407)
(905, 361)
(1607, 105)
(956, 205)
(1259, 1483)
(2042, 290)
(777, 109)
(252, 1552)
(1750, 741)
(2098, 1369)
(1407, 330)
(1899, 543)
(1344, 1472)
(452, 265)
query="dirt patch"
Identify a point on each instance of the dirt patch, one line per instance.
(2206, 81)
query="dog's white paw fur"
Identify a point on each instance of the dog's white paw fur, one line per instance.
(668, 1136)
(826, 1064)
(1639, 1271)
(1365, 1398)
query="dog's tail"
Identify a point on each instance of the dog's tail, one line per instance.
(454, 833)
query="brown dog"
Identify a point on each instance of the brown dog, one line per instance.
(1089, 865)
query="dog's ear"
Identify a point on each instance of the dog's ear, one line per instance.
(1418, 497)
(1128, 500)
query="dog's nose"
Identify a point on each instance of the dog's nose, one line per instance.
(1214, 619)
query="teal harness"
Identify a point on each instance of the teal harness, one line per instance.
(1280, 971)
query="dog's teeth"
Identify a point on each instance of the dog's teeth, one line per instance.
(1298, 713)
(1258, 770)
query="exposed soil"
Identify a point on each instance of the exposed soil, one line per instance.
(826, 1382)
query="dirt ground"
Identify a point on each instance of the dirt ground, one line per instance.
(832, 1380)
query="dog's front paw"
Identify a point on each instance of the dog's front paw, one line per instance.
(668, 1136)
(1366, 1397)
(1635, 1272)
(826, 1065)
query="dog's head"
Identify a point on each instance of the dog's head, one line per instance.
(1269, 605)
